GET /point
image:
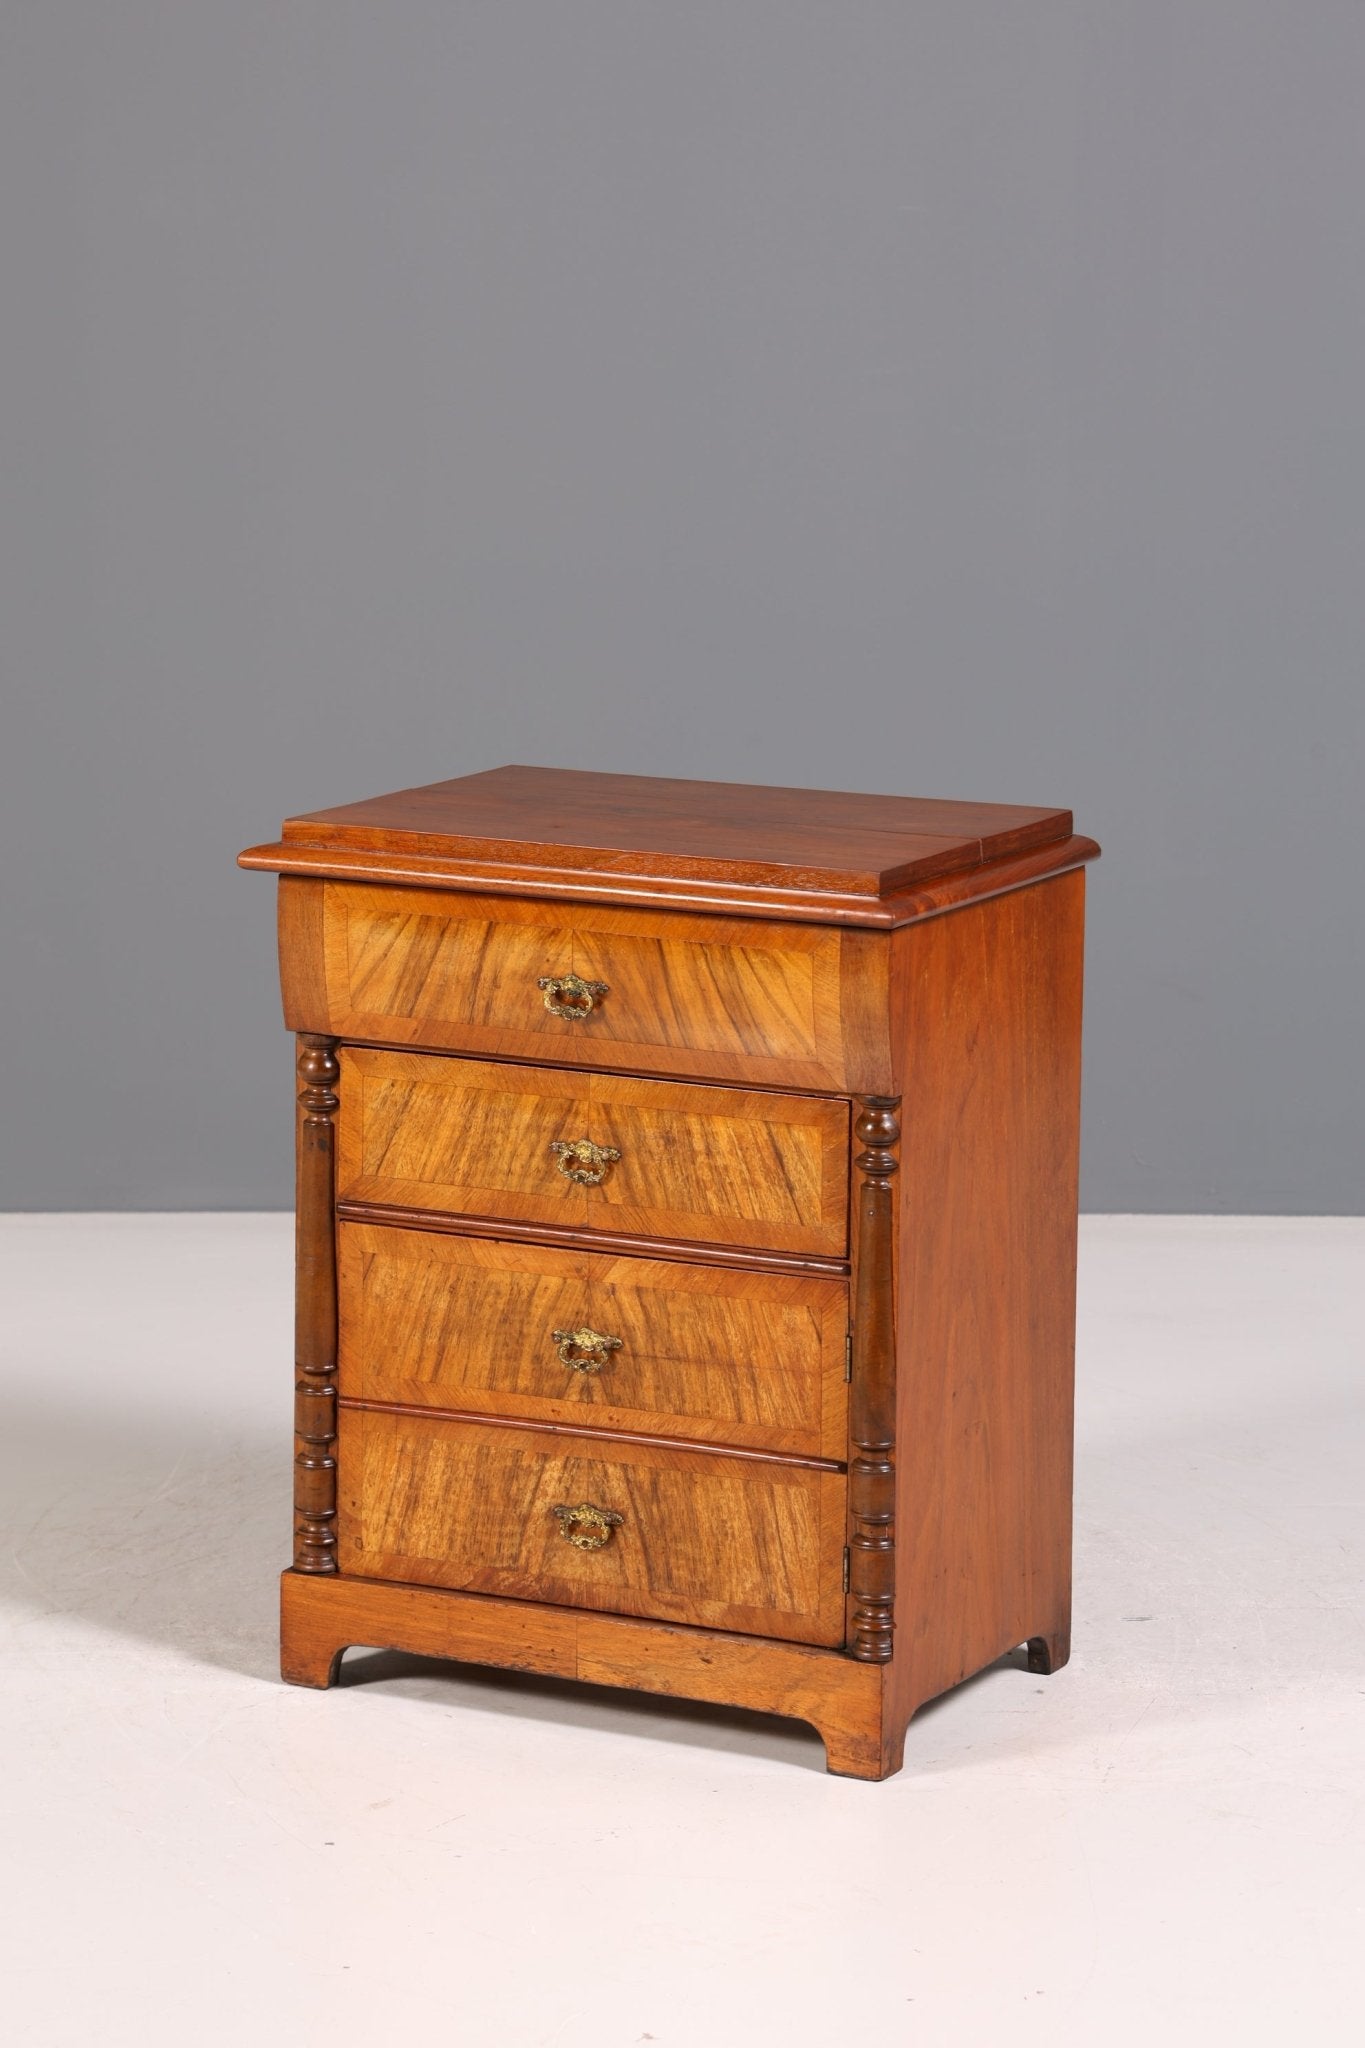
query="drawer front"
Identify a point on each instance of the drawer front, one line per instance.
(709, 1165)
(731, 999)
(467, 1323)
(726, 1542)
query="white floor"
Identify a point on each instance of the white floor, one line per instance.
(1164, 1842)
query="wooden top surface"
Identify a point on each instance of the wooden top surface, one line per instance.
(747, 848)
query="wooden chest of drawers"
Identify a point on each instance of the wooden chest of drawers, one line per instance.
(686, 1237)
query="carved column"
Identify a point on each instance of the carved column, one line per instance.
(872, 1396)
(315, 1309)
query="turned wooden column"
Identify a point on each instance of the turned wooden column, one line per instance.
(315, 1309)
(872, 1395)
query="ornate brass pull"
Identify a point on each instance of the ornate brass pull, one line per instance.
(587, 1527)
(567, 995)
(581, 1160)
(584, 1350)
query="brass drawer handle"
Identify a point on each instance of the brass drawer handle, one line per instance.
(584, 1350)
(581, 1160)
(587, 1527)
(566, 995)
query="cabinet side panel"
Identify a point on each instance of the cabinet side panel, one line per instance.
(987, 1008)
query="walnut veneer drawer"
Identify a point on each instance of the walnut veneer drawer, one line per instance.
(711, 1165)
(668, 993)
(593, 1341)
(732, 1542)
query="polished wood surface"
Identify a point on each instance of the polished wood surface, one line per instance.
(675, 894)
(731, 1001)
(749, 1544)
(631, 1243)
(315, 1309)
(721, 1165)
(872, 1408)
(321, 1618)
(650, 1440)
(700, 1352)
(817, 1268)
(302, 953)
(764, 851)
(652, 825)
(989, 1004)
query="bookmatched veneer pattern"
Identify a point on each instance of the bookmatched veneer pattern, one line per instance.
(698, 1351)
(462, 1223)
(730, 1001)
(723, 1165)
(745, 1543)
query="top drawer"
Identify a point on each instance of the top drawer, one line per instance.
(729, 998)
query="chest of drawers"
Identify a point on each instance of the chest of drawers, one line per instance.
(686, 1237)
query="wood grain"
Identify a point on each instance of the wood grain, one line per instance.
(677, 893)
(720, 1165)
(321, 1618)
(745, 1544)
(315, 1309)
(651, 825)
(865, 1012)
(765, 852)
(618, 1439)
(303, 979)
(794, 949)
(989, 1014)
(705, 1353)
(872, 1402)
(631, 1244)
(728, 1000)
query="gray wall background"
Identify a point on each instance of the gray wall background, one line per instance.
(953, 399)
